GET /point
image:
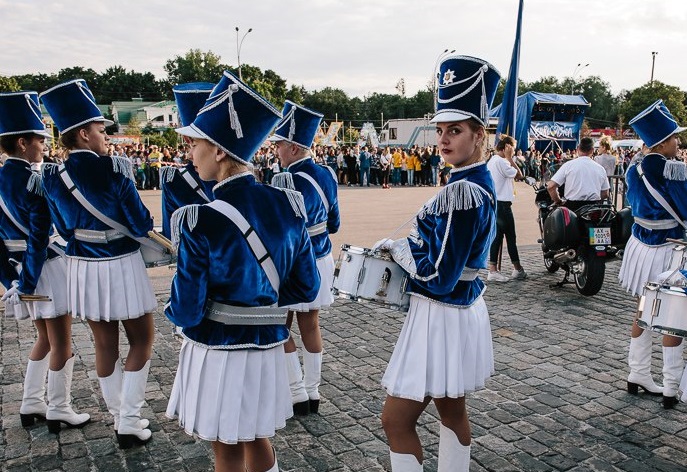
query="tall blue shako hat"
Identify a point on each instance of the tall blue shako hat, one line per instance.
(71, 104)
(298, 125)
(655, 124)
(190, 98)
(20, 113)
(466, 89)
(235, 118)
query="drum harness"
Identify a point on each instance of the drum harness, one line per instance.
(118, 230)
(193, 184)
(318, 228)
(658, 224)
(236, 315)
(19, 245)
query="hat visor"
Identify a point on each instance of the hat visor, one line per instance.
(449, 117)
(275, 138)
(190, 132)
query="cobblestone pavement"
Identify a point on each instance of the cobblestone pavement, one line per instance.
(556, 402)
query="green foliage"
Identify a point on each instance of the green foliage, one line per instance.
(133, 128)
(634, 101)
(8, 84)
(195, 66)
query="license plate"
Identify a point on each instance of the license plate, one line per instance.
(599, 236)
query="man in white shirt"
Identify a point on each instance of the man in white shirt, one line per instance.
(504, 171)
(585, 181)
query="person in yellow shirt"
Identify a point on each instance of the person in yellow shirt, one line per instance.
(410, 165)
(418, 167)
(155, 161)
(396, 162)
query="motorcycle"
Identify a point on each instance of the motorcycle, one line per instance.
(580, 242)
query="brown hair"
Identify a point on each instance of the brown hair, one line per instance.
(8, 143)
(605, 142)
(475, 126)
(504, 141)
(69, 139)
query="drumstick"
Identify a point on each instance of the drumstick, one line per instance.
(677, 241)
(161, 240)
(34, 298)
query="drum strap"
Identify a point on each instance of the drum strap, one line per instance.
(659, 198)
(319, 190)
(256, 245)
(71, 186)
(193, 184)
(24, 229)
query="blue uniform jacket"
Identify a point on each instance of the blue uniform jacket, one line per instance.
(176, 192)
(669, 178)
(21, 190)
(452, 232)
(315, 208)
(216, 263)
(107, 183)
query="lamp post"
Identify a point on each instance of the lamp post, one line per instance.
(578, 69)
(653, 62)
(238, 47)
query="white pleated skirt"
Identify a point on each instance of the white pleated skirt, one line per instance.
(109, 289)
(642, 264)
(442, 351)
(325, 266)
(230, 396)
(51, 283)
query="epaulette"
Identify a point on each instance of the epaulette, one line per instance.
(296, 200)
(675, 170)
(187, 214)
(123, 166)
(35, 183)
(49, 168)
(460, 195)
(167, 174)
(283, 180)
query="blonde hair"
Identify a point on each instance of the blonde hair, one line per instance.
(605, 142)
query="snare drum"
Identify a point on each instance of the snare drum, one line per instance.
(678, 258)
(159, 253)
(663, 309)
(370, 275)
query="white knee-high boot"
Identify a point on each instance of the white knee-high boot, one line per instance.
(133, 396)
(33, 406)
(312, 366)
(111, 387)
(682, 389)
(275, 467)
(453, 456)
(672, 370)
(299, 397)
(60, 400)
(639, 360)
(404, 462)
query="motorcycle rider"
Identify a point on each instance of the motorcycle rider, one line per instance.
(585, 181)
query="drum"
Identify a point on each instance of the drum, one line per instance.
(160, 253)
(369, 275)
(663, 308)
(678, 258)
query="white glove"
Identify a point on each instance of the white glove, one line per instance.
(383, 244)
(11, 296)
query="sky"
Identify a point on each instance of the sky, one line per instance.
(360, 46)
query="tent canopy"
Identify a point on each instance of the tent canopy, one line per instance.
(546, 117)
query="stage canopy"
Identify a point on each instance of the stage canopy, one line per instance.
(548, 121)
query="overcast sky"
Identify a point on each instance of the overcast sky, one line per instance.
(360, 46)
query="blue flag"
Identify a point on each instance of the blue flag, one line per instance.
(510, 94)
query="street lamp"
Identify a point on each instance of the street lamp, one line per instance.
(238, 47)
(653, 62)
(578, 69)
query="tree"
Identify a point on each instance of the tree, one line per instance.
(548, 84)
(331, 102)
(635, 101)
(296, 93)
(8, 84)
(195, 66)
(604, 105)
(37, 82)
(116, 83)
(133, 128)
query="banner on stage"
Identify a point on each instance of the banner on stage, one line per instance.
(556, 130)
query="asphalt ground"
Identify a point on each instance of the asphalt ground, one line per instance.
(557, 401)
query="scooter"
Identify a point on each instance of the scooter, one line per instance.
(580, 242)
